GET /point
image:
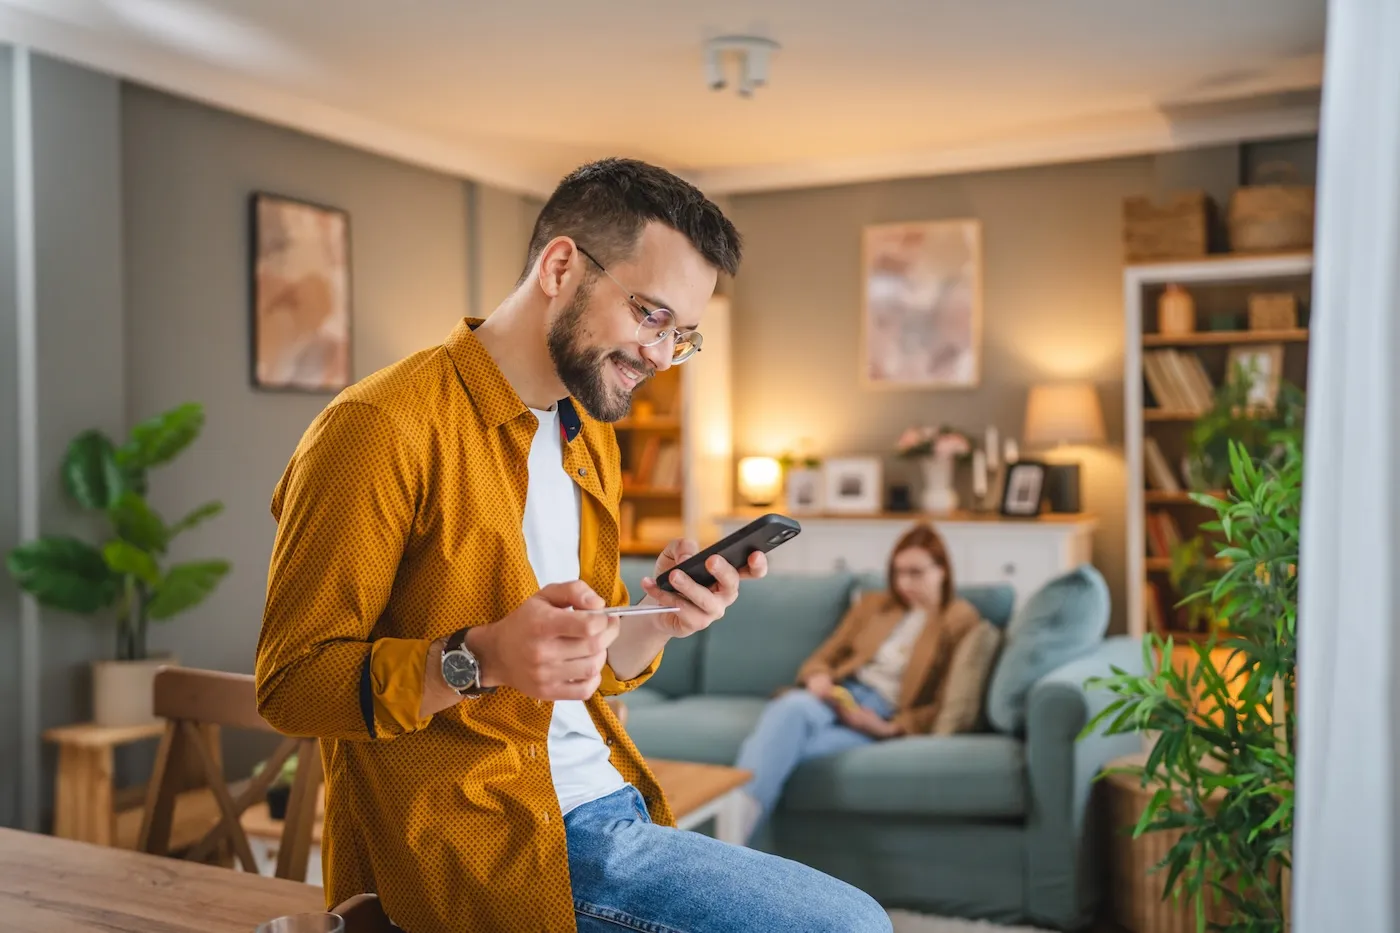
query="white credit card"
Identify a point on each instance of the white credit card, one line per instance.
(630, 610)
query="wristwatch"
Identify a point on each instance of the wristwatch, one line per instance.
(460, 667)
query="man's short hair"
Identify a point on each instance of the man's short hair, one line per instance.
(605, 205)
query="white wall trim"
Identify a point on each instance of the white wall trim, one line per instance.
(1130, 134)
(218, 87)
(27, 371)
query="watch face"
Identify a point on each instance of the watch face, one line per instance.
(459, 670)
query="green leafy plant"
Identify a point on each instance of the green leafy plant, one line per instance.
(125, 572)
(285, 775)
(1232, 420)
(1222, 763)
(1191, 572)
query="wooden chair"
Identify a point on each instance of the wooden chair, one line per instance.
(364, 914)
(196, 704)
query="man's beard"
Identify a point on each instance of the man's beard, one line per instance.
(582, 369)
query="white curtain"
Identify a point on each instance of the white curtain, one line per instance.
(1348, 804)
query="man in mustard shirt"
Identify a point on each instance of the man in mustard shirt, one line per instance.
(440, 525)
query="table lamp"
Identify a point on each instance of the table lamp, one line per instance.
(760, 480)
(1059, 414)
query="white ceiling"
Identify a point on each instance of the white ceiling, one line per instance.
(518, 93)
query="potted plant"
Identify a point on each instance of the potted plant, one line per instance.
(1231, 419)
(124, 579)
(937, 449)
(1223, 728)
(280, 790)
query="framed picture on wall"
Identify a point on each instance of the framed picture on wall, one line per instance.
(300, 295)
(921, 307)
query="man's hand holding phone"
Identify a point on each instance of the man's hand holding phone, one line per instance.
(698, 606)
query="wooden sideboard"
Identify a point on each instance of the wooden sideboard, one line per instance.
(983, 547)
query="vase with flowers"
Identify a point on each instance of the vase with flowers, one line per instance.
(937, 448)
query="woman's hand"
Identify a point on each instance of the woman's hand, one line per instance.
(819, 685)
(864, 720)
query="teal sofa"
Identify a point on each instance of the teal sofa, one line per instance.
(983, 825)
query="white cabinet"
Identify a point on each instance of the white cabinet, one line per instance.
(983, 549)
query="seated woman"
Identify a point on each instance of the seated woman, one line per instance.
(878, 676)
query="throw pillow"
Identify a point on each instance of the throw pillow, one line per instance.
(969, 669)
(1060, 622)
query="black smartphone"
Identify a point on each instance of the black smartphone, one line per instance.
(762, 534)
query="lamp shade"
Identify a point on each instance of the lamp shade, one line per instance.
(1063, 413)
(760, 480)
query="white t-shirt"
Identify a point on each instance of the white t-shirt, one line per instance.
(884, 672)
(578, 757)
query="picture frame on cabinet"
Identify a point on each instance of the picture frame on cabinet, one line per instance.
(853, 485)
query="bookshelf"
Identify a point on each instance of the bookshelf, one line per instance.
(1168, 383)
(677, 458)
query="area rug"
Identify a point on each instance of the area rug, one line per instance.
(905, 922)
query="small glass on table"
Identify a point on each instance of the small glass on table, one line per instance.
(305, 923)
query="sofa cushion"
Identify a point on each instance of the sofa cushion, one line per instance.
(1060, 622)
(679, 673)
(993, 601)
(963, 708)
(643, 696)
(698, 728)
(954, 776)
(774, 625)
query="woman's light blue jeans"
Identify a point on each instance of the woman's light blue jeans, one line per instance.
(630, 874)
(794, 727)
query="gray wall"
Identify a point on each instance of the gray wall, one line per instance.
(81, 377)
(504, 221)
(1052, 310)
(9, 462)
(188, 171)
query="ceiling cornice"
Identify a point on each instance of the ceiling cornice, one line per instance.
(219, 87)
(1127, 134)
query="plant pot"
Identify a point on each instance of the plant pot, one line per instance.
(277, 797)
(121, 690)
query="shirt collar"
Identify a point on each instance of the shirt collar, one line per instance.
(493, 394)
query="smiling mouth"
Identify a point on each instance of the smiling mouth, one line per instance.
(630, 377)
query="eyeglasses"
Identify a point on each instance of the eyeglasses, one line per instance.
(655, 325)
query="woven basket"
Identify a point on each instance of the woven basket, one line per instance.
(1177, 229)
(1274, 217)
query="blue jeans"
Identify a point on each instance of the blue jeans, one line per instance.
(793, 728)
(630, 874)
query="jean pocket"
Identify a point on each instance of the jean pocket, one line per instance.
(639, 804)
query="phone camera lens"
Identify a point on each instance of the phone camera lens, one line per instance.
(775, 539)
(789, 533)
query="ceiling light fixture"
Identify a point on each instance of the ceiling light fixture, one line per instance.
(753, 53)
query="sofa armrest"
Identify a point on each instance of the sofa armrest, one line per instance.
(1063, 863)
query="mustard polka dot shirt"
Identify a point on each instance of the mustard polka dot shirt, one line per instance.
(399, 520)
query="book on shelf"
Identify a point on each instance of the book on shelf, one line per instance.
(658, 464)
(1178, 380)
(1160, 475)
(1163, 533)
(1156, 619)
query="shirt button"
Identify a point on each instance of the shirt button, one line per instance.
(583, 471)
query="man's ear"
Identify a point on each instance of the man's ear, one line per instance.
(555, 265)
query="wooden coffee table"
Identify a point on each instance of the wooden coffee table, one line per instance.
(699, 792)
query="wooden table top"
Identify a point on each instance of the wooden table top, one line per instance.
(50, 885)
(91, 735)
(689, 785)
